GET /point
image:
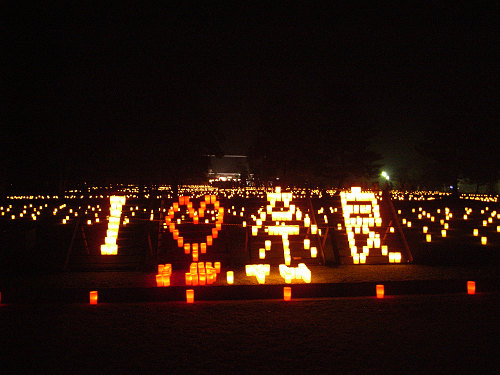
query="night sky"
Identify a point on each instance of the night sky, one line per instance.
(84, 82)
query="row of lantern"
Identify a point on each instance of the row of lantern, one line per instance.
(115, 212)
(287, 293)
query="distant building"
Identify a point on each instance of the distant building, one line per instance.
(228, 169)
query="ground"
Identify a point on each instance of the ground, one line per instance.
(404, 334)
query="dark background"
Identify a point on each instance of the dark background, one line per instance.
(115, 93)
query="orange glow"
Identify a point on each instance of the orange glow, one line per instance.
(230, 277)
(217, 267)
(471, 287)
(287, 293)
(165, 279)
(187, 248)
(484, 240)
(380, 291)
(189, 278)
(180, 241)
(203, 248)
(214, 233)
(190, 295)
(159, 280)
(209, 241)
(262, 253)
(93, 297)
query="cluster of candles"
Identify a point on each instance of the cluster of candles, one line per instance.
(202, 273)
(164, 274)
(260, 271)
(295, 273)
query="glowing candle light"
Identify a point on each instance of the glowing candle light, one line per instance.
(209, 241)
(475, 232)
(384, 250)
(287, 293)
(307, 243)
(180, 241)
(189, 278)
(165, 280)
(268, 245)
(159, 280)
(428, 238)
(187, 248)
(484, 240)
(307, 221)
(471, 287)
(230, 277)
(314, 252)
(443, 232)
(262, 253)
(93, 297)
(190, 295)
(380, 291)
(203, 248)
(215, 233)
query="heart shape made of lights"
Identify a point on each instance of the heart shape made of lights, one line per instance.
(195, 215)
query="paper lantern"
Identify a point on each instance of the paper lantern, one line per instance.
(188, 278)
(287, 293)
(159, 280)
(314, 252)
(443, 232)
(194, 279)
(307, 221)
(314, 229)
(217, 267)
(209, 241)
(190, 295)
(428, 238)
(471, 287)
(307, 243)
(187, 248)
(165, 280)
(214, 233)
(268, 245)
(262, 253)
(180, 241)
(484, 240)
(93, 297)
(203, 248)
(380, 291)
(230, 277)
(475, 232)
(384, 250)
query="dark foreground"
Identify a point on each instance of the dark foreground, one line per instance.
(453, 333)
